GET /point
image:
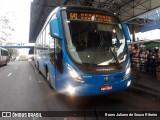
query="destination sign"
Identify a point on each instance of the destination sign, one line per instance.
(90, 16)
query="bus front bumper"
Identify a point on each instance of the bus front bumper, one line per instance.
(92, 90)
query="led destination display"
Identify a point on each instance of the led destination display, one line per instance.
(90, 16)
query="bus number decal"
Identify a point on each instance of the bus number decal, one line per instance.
(73, 15)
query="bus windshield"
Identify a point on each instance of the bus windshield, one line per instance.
(97, 42)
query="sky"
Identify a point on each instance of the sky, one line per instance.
(149, 35)
(18, 12)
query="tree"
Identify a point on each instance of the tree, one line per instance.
(13, 52)
(5, 29)
(23, 57)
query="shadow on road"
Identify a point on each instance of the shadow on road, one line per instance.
(91, 101)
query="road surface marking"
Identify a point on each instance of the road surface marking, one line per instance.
(9, 74)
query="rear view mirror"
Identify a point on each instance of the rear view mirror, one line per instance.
(54, 28)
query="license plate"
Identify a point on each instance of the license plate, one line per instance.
(107, 87)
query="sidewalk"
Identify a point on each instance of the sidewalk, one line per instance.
(145, 83)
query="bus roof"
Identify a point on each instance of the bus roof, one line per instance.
(3, 49)
(85, 8)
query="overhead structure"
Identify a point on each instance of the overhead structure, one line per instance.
(151, 18)
(127, 10)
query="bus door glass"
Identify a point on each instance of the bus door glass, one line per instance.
(51, 50)
(55, 53)
(58, 55)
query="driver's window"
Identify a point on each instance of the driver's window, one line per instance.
(51, 44)
(57, 46)
(51, 49)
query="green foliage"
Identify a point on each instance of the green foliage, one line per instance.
(23, 58)
(5, 29)
(152, 44)
(13, 52)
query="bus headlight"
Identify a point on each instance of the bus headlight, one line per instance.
(71, 90)
(75, 76)
(128, 71)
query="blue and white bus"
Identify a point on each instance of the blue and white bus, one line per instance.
(82, 51)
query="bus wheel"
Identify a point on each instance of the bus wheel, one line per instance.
(49, 80)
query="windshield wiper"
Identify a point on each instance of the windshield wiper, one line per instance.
(117, 61)
(95, 57)
(103, 42)
(112, 53)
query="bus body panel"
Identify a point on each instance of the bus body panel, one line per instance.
(91, 90)
(51, 69)
(93, 82)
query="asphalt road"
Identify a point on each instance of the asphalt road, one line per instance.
(22, 88)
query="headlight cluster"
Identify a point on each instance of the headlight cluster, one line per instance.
(128, 72)
(75, 76)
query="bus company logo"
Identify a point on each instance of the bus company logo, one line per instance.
(106, 79)
(87, 76)
(105, 70)
(6, 114)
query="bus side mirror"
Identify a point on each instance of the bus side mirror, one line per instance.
(54, 28)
